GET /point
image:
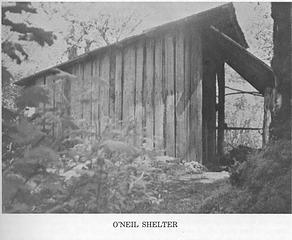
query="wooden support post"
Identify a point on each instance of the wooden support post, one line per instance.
(221, 108)
(267, 115)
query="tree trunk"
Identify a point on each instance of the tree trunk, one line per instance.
(281, 63)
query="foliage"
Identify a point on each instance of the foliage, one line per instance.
(9, 94)
(32, 97)
(242, 111)
(75, 172)
(14, 35)
(25, 32)
(259, 31)
(235, 161)
(266, 184)
(104, 29)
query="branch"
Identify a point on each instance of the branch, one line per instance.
(234, 89)
(31, 33)
(18, 8)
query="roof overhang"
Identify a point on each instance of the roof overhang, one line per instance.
(223, 17)
(251, 68)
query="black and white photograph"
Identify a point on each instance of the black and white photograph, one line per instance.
(146, 108)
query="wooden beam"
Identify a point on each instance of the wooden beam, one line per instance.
(221, 108)
(240, 128)
(255, 71)
(256, 94)
(268, 101)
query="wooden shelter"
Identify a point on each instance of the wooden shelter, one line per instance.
(163, 79)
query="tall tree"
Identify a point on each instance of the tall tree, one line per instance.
(281, 64)
(14, 35)
(24, 31)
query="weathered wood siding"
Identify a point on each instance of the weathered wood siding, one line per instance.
(155, 82)
(209, 107)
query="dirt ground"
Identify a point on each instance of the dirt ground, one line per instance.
(186, 194)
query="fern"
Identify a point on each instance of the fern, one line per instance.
(75, 172)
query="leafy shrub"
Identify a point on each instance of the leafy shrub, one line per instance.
(239, 154)
(235, 161)
(75, 172)
(266, 184)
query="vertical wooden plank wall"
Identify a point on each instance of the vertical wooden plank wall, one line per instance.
(187, 93)
(180, 101)
(209, 108)
(41, 108)
(50, 105)
(79, 93)
(139, 56)
(67, 93)
(169, 89)
(74, 94)
(59, 105)
(129, 84)
(118, 86)
(112, 73)
(188, 96)
(87, 94)
(155, 81)
(104, 91)
(95, 98)
(196, 99)
(158, 96)
(148, 91)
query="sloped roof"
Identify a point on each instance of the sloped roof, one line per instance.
(251, 68)
(223, 17)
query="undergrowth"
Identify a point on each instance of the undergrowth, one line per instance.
(80, 172)
(264, 184)
(75, 171)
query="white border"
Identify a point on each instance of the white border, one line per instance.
(93, 226)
